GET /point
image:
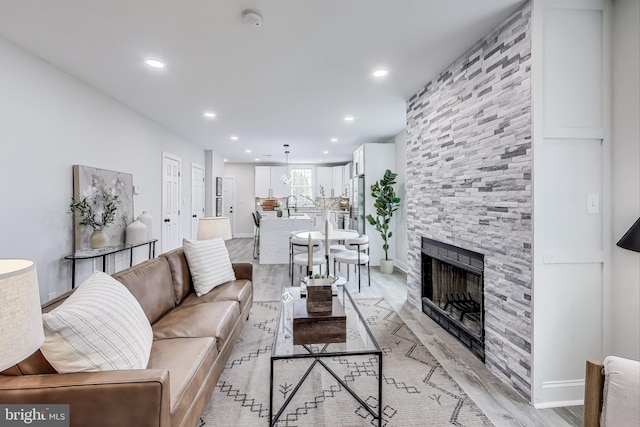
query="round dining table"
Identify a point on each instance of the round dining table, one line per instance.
(334, 235)
(338, 234)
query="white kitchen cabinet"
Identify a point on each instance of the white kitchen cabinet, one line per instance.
(332, 180)
(324, 178)
(338, 185)
(278, 188)
(268, 182)
(263, 181)
(358, 161)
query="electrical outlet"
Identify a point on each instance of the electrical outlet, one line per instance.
(593, 204)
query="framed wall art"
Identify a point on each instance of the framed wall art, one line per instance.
(218, 206)
(218, 186)
(89, 183)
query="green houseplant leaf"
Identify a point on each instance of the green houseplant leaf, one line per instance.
(386, 203)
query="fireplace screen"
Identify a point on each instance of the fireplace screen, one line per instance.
(456, 291)
(452, 291)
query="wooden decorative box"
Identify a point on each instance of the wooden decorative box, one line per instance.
(319, 328)
(319, 296)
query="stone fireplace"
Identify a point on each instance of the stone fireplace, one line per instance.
(468, 185)
(453, 291)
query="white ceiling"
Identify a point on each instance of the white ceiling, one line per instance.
(290, 81)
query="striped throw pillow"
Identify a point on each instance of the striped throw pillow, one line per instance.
(209, 263)
(100, 327)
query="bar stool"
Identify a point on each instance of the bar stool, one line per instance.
(256, 235)
(300, 251)
(357, 253)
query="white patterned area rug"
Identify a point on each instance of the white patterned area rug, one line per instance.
(416, 390)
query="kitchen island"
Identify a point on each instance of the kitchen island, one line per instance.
(274, 236)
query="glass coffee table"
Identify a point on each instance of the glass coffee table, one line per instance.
(359, 342)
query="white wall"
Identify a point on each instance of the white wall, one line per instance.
(244, 175)
(571, 92)
(402, 245)
(625, 286)
(50, 121)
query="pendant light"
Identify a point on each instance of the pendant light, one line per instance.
(286, 178)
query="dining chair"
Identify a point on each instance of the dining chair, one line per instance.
(357, 254)
(339, 246)
(298, 249)
(300, 254)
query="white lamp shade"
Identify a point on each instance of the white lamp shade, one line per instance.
(212, 227)
(21, 332)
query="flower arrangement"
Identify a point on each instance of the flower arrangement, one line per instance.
(89, 211)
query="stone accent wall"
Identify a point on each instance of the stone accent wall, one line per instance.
(469, 183)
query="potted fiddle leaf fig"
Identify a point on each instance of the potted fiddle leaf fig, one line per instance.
(386, 203)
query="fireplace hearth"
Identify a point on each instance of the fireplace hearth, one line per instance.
(453, 291)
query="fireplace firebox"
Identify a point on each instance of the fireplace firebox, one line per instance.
(453, 291)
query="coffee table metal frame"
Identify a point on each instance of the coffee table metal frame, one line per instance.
(324, 352)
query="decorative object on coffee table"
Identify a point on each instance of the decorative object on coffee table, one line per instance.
(319, 295)
(316, 328)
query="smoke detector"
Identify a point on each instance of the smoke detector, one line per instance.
(252, 18)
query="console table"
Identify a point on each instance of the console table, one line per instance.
(103, 252)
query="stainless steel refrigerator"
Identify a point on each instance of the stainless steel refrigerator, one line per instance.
(356, 211)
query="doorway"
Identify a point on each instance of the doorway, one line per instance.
(171, 166)
(197, 197)
(229, 200)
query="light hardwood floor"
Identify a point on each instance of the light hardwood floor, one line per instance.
(499, 402)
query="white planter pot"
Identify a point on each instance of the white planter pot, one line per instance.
(386, 266)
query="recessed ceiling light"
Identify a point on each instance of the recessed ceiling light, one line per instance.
(380, 73)
(247, 151)
(334, 139)
(349, 118)
(234, 138)
(257, 160)
(319, 160)
(154, 63)
(224, 160)
(209, 114)
(325, 152)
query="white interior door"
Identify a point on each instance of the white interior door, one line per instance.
(171, 166)
(197, 197)
(229, 200)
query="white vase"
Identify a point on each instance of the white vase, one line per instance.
(135, 233)
(98, 239)
(146, 218)
(386, 266)
(326, 216)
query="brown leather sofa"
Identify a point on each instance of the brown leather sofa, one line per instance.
(193, 337)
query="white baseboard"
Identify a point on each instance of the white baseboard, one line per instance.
(564, 387)
(241, 235)
(559, 404)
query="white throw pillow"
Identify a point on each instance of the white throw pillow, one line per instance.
(209, 264)
(621, 394)
(100, 327)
